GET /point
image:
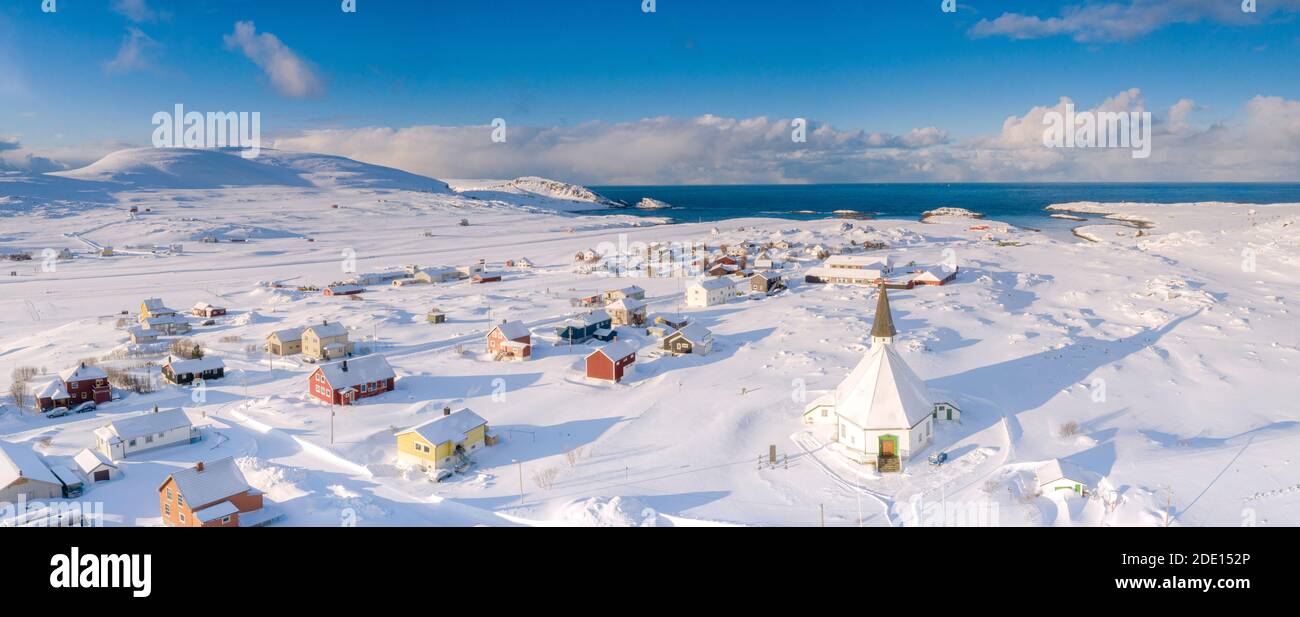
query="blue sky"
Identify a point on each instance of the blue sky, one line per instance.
(878, 66)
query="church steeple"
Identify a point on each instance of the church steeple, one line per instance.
(882, 329)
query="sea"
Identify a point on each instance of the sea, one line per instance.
(1018, 204)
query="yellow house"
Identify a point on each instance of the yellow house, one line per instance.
(285, 342)
(327, 341)
(444, 442)
(154, 307)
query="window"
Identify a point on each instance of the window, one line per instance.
(182, 515)
(225, 520)
(131, 443)
(148, 439)
(167, 509)
(169, 494)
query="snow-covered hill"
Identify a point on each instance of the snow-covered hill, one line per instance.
(534, 191)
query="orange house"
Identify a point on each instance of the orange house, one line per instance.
(212, 494)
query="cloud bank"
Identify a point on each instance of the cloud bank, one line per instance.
(1119, 21)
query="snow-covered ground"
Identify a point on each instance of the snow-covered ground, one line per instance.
(1164, 365)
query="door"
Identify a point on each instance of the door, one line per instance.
(887, 446)
(101, 475)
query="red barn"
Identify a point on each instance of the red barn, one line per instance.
(510, 339)
(344, 290)
(486, 278)
(203, 309)
(347, 381)
(611, 362)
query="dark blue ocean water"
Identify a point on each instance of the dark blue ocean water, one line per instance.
(1020, 204)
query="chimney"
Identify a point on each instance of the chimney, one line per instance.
(345, 366)
(198, 467)
(446, 410)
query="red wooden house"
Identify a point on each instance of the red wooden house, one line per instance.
(347, 381)
(344, 290)
(203, 309)
(486, 277)
(510, 339)
(80, 384)
(933, 276)
(611, 362)
(211, 494)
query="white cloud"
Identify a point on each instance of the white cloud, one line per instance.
(1261, 145)
(135, 10)
(1125, 21)
(289, 73)
(132, 55)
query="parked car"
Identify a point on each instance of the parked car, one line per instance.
(58, 412)
(85, 407)
(442, 474)
(938, 458)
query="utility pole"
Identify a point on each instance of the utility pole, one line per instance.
(331, 424)
(521, 481)
(822, 508)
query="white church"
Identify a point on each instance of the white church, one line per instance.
(882, 412)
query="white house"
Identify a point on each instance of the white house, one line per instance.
(1055, 477)
(23, 475)
(126, 437)
(882, 412)
(95, 466)
(710, 292)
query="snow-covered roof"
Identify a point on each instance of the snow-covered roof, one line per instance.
(713, 283)
(219, 479)
(616, 351)
(769, 275)
(66, 476)
(155, 305)
(144, 332)
(346, 289)
(288, 334)
(366, 369)
(83, 372)
(1056, 469)
(587, 319)
(882, 392)
(630, 289)
(695, 333)
(89, 460)
(196, 365)
(203, 306)
(454, 427)
(52, 389)
(930, 274)
(626, 304)
(163, 320)
(513, 329)
(215, 511)
(20, 461)
(865, 274)
(858, 261)
(327, 330)
(149, 424)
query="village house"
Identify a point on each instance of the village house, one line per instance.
(347, 381)
(485, 277)
(170, 325)
(326, 341)
(851, 270)
(287, 342)
(212, 494)
(524, 263)
(444, 442)
(584, 327)
(346, 289)
(51, 395)
(934, 276)
(23, 475)
(510, 340)
(96, 467)
(154, 307)
(203, 309)
(882, 413)
(79, 384)
(690, 339)
(376, 278)
(611, 362)
(709, 292)
(627, 312)
(143, 336)
(632, 292)
(407, 282)
(766, 282)
(1057, 477)
(437, 275)
(125, 437)
(182, 372)
(675, 321)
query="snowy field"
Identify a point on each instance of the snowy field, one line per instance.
(1157, 354)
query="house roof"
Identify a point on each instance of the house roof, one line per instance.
(52, 389)
(156, 304)
(220, 479)
(883, 325)
(768, 275)
(929, 274)
(615, 351)
(89, 460)
(345, 289)
(149, 423)
(366, 369)
(587, 319)
(215, 511)
(1056, 469)
(626, 304)
(454, 427)
(513, 329)
(630, 289)
(882, 392)
(164, 319)
(287, 334)
(83, 372)
(20, 461)
(327, 330)
(864, 274)
(695, 333)
(713, 283)
(859, 261)
(144, 332)
(196, 365)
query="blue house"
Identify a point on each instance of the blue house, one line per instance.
(582, 328)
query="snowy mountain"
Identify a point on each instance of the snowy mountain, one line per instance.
(183, 168)
(535, 191)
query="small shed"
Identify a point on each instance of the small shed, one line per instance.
(436, 316)
(96, 467)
